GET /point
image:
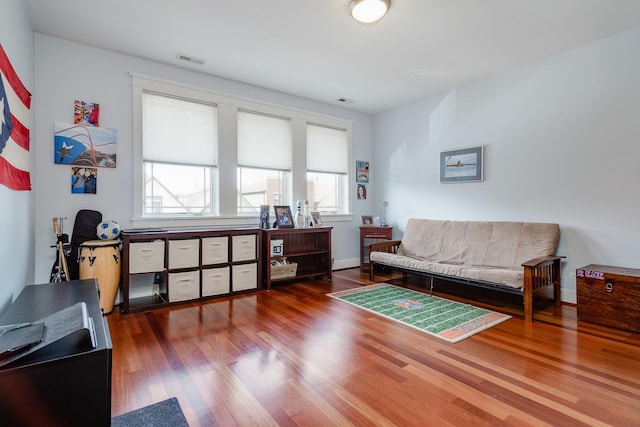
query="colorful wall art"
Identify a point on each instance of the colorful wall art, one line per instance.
(86, 113)
(83, 145)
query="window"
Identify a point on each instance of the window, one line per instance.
(201, 158)
(264, 161)
(327, 169)
(179, 147)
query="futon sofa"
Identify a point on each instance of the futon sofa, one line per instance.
(514, 257)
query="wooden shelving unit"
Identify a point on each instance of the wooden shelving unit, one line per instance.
(308, 248)
(187, 265)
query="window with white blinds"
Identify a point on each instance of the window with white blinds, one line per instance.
(327, 149)
(179, 154)
(178, 131)
(264, 161)
(327, 168)
(209, 158)
(264, 141)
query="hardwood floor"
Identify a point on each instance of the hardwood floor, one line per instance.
(292, 356)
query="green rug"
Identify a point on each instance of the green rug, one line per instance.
(443, 318)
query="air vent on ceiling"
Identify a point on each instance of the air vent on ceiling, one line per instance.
(189, 58)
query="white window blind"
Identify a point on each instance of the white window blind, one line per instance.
(326, 149)
(264, 141)
(178, 131)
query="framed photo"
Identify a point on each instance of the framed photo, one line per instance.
(317, 220)
(361, 192)
(277, 247)
(366, 220)
(84, 180)
(362, 171)
(284, 219)
(264, 216)
(462, 165)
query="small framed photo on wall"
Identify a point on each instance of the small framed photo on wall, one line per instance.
(84, 180)
(362, 171)
(361, 192)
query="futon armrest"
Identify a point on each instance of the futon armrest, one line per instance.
(539, 262)
(390, 246)
(539, 273)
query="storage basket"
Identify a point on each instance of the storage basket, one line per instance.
(284, 271)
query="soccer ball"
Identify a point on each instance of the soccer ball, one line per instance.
(108, 230)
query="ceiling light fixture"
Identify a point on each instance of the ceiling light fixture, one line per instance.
(368, 11)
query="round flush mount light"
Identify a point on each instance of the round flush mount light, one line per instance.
(368, 11)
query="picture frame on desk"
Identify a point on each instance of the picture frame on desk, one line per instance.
(366, 220)
(317, 219)
(284, 219)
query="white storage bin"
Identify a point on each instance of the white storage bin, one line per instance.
(215, 250)
(146, 257)
(184, 253)
(215, 281)
(184, 286)
(244, 276)
(244, 247)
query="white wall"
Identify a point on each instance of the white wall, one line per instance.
(68, 71)
(16, 213)
(562, 141)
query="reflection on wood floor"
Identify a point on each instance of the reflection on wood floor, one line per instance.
(292, 356)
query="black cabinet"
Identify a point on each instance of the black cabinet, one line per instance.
(72, 389)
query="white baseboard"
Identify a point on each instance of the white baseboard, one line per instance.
(568, 295)
(340, 264)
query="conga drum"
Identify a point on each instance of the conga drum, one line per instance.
(100, 259)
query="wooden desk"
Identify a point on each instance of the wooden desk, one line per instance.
(71, 390)
(369, 234)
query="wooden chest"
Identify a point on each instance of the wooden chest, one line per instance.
(609, 296)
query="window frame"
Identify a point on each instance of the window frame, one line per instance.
(208, 164)
(342, 197)
(226, 195)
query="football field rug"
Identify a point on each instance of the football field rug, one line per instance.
(450, 320)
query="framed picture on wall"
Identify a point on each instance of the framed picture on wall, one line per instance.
(362, 171)
(463, 165)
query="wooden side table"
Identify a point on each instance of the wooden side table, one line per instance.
(368, 235)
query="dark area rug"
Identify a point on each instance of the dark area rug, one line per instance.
(166, 413)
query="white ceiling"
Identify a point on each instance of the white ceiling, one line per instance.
(314, 49)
